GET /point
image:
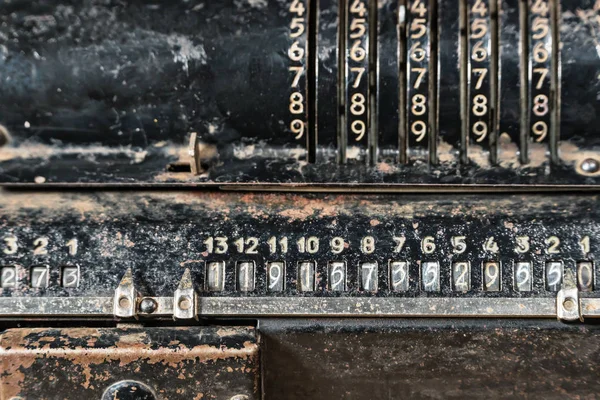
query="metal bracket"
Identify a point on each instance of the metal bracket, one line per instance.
(568, 306)
(185, 300)
(126, 297)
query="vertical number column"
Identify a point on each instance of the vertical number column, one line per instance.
(357, 80)
(480, 128)
(540, 75)
(419, 96)
(298, 57)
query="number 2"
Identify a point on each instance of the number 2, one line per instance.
(40, 246)
(552, 242)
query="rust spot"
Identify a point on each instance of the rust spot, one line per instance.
(223, 332)
(186, 262)
(43, 152)
(509, 225)
(385, 168)
(446, 153)
(108, 206)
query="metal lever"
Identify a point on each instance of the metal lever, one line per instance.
(185, 299)
(568, 307)
(126, 297)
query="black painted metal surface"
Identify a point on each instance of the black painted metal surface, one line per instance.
(159, 234)
(510, 61)
(580, 78)
(428, 359)
(449, 83)
(260, 83)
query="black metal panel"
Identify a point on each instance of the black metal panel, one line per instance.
(388, 89)
(101, 93)
(512, 144)
(428, 359)
(137, 73)
(328, 70)
(580, 85)
(449, 83)
(158, 235)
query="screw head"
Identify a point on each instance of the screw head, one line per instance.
(590, 166)
(569, 304)
(185, 303)
(124, 302)
(148, 305)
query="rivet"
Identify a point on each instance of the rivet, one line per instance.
(569, 304)
(148, 305)
(185, 303)
(124, 302)
(590, 165)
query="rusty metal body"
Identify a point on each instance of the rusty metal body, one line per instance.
(175, 363)
(299, 199)
(317, 359)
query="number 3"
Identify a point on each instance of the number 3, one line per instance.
(11, 245)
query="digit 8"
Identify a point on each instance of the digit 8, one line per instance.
(540, 105)
(418, 104)
(480, 107)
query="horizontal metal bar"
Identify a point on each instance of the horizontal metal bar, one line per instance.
(378, 306)
(590, 307)
(295, 307)
(56, 306)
